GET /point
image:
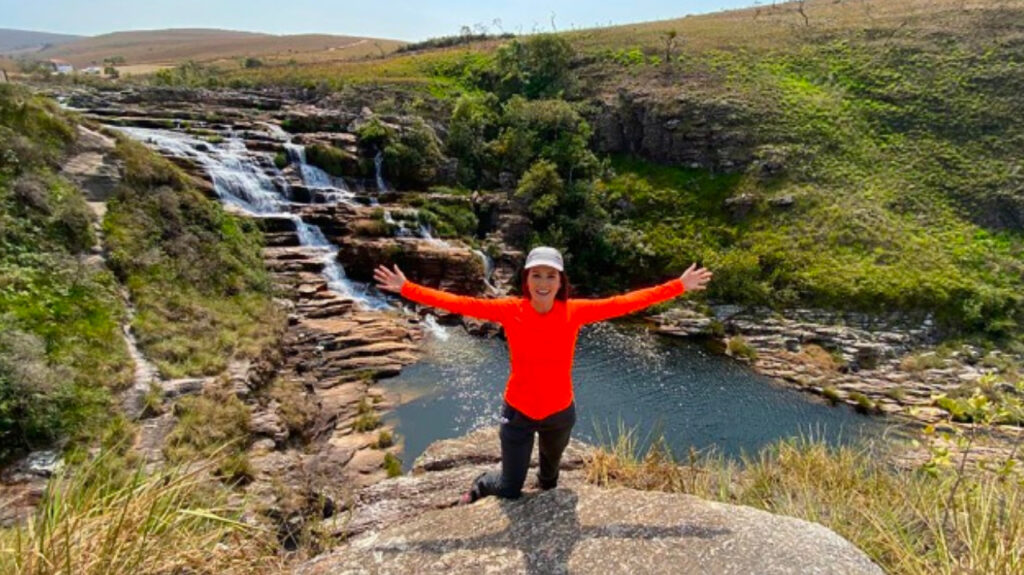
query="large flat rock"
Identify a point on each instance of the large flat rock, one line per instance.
(585, 529)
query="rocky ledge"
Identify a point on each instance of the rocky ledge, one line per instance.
(402, 525)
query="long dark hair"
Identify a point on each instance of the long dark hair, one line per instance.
(563, 285)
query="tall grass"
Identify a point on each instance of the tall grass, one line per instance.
(895, 516)
(104, 519)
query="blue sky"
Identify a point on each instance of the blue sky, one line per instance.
(398, 19)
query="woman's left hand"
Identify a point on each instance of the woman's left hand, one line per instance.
(695, 278)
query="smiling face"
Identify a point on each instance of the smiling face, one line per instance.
(543, 283)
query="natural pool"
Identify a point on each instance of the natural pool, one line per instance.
(622, 375)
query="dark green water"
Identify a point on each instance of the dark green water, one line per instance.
(625, 375)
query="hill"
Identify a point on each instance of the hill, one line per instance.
(22, 41)
(179, 45)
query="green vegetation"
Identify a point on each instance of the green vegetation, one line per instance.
(738, 347)
(897, 517)
(194, 272)
(832, 395)
(988, 400)
(61, 349)
(333, 161)
(366, 417)
(385, 439)
(173, 521)
(214, 423)
(392, 464)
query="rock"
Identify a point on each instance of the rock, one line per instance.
(484, 447)
(674, 126)
(588, 529)
(94, 166)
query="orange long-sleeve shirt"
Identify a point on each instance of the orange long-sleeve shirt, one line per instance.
(541, 345)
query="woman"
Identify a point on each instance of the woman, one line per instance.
(541, 329)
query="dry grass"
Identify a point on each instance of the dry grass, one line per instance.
(896, 517)
(781, 25)
(817, 356)
(175, 46)
(96, 521)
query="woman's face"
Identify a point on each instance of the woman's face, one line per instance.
(543, 283)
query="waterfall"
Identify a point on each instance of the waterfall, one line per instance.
(378, 164)
(332, 190)
(239, 180)
(488, 268)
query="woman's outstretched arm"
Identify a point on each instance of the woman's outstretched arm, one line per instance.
(593, 310)
(394, 280)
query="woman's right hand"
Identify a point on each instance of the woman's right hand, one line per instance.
(389, 280)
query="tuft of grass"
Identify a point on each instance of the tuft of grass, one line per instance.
(894, 516)
(153, 400)
(863, 404)
(896, 393)
(739, 348)
(214, 422)
(385, 439)
(174, 520)
(922, 362)
(832, 395)
(392, 464)
(366, 418)
(818, 356)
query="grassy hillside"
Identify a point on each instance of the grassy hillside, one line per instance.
(892, 130)
(61, 351)
(194, 274)
(175, 46)
(19, 41)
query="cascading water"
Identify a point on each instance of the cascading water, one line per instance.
(331, 190)
(237, 179)
(488, 268)
(378, 165)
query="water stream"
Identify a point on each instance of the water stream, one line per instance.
(239, 179)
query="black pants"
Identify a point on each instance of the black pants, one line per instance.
(516, 433)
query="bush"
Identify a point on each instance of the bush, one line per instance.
(334, 161)
(739, 348)
(385, 439)
(392, 464)
(538, 67)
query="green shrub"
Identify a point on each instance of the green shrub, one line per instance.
(334, 161)
(832, 395)
(392, 464)
(738, 347)
(281, 160)
(863, 404)
(385, 439)
(366, 418)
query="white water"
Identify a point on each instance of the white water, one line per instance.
(435, 329)
(332, 190)
(239, 180)
(378, 164)
(488, 269)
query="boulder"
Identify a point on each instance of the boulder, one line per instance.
(404, 525)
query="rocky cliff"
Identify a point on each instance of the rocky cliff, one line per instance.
(402, 525)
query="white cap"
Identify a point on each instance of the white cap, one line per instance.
(544, 256)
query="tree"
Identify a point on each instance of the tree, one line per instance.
(536, 68)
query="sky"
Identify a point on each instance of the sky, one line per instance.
(396, 19)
